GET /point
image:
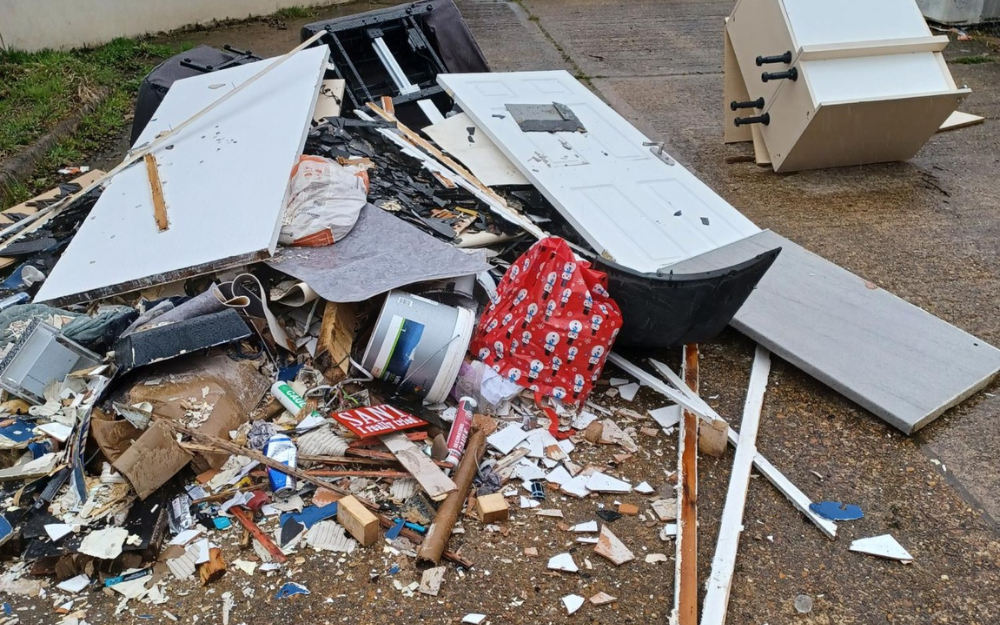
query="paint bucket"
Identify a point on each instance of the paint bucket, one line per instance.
(418, 345)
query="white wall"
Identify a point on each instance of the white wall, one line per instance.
(37, 24)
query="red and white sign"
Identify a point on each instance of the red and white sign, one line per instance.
(377, 420)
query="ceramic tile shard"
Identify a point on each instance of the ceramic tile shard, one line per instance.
(572, 603)
(884, 546)
(604, 483)
(602, 598)
(330, 536)
(608, 546)
(430, 582)
(563, 562)
(105, 544)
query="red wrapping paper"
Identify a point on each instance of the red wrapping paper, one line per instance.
(552, 324)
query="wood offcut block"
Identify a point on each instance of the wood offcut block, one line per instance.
(629, 509)
(492, 508)
(713, 437)
(357, 520)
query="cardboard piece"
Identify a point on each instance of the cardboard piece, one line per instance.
(152, 460)
(231, 388)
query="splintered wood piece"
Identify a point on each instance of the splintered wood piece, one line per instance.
(685, 611)
(156, 189)
(492, 508)
(255, 531)
(214, 568)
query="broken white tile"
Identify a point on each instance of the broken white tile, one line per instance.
(527, 470)
(105, 544)
(576, 487)
(629, 391)
(613, 549)
(57, 431)
(587, 540)
(183, 567)
(529, 503)
(549, 463)
(566, 445)
(430, 582)
(669, 531)
(58, 530)
(603, 483)
(474, 619)
(667, 416)
(654, 558)
(507, 439)
(582, 420)
(589, 526)
(572, 603)
(202, 553)
(619, 381)
(74, 584)
(665, 509)
(884, 546)
(563, 562)
(614, 435)
(644, 488)
(536, 442)
(559, 476)
(246, 566)
(551, 512)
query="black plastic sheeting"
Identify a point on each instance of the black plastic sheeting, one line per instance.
(677, 309)
(155, 85)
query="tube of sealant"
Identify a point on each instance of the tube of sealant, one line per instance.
(290, 400)
(460, 427)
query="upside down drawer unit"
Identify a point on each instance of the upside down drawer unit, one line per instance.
(843, 83)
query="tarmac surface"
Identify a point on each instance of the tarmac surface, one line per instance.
(926, 230)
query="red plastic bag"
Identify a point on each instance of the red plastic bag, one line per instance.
(551, 325)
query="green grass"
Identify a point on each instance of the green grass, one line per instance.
(973, 60)
(292, 13)
(40, 89)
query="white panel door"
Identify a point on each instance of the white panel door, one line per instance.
(624, 200)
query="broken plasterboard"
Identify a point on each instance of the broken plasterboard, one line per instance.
(884, 546)
(662, 214)
(224, 181)
(897, 360)
(459, 136)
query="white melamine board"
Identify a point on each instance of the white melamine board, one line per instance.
(224, 181)
(863, 78)
(814, 22)
(616, 193)
(476, 151)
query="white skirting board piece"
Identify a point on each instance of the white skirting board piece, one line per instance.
(890, 357)
(224, 181)
(884, 546)
(720, 580)
(475, 150)
(627, 198)
(959, 119)
(694, 403)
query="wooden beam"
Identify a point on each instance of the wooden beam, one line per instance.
(720, 580)
(255, 531)
(685, 610)
(799, 499)
(156, 190)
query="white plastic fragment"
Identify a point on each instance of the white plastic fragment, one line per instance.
(629, 391)
(529, 503)
(105, 544)
(507, 439)
(667, 416)
(474, 619)
(58, 530)
(603, 483)
(589, 526)
(669, 531)
(74, 584)
(644, 488)
(655, 558)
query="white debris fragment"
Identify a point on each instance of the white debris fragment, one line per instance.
(330, 536)
(551, 512)
(572, 603)
(74, 584)
(665, 509)
(655, 558)
(603, 483)
(582, 420)
(105, 544)
(529, 503)
(589, 526)
(884, 546)
(667, 416)
(430, 582)
(474, 619)
(563, 562)
(669, 531)
(629, 391)
(246, 566)
(58, 530)
(644, 488)
(507, 439)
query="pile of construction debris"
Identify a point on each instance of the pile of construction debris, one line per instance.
(289, 312)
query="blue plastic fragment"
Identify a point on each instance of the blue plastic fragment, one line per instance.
(393, 569)
(291, 588)
(7, 610)
(40, 448)
(6, 531)
(19, 431)
(222, 523)
(393, 532)
(287, 374)
(310, 515)
(537, 491)
(416, 528)
(836, 511)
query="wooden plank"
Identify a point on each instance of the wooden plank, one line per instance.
(431, 478)
(156, 191)
(685, 610)
(720, 580)
(357, 520)
(255, 531)
(892, 358)
(798, 499)
(336, 333)
(227, 182)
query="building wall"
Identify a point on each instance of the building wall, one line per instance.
(37, 24)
